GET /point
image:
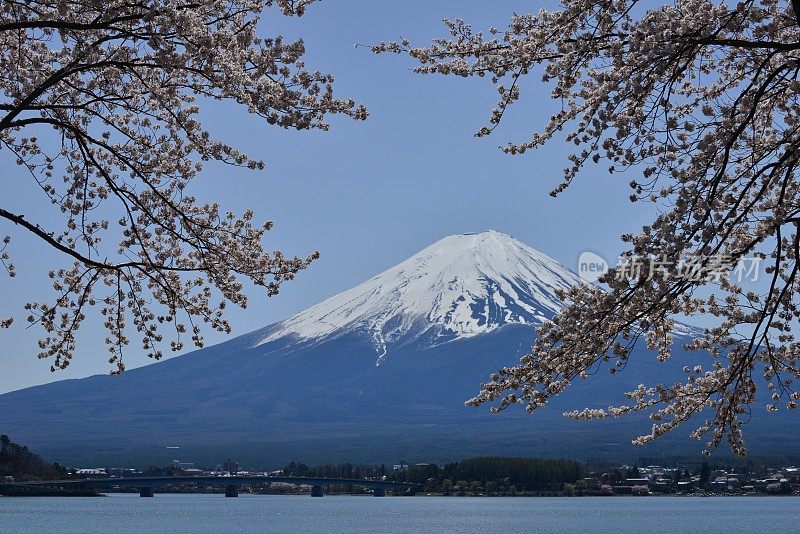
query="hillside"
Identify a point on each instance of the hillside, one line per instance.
(18, 462)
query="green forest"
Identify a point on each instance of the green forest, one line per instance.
(18, 462)
(524, 473)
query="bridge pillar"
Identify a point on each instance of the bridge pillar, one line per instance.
(317, 491)
(231, 491)
(145, 492)
(379, 492)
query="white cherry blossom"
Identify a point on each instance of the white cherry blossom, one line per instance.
(99, 104)
(697, 100)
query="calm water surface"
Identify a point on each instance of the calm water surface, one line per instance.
(299, 514)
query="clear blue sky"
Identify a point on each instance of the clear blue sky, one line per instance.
(369, 194)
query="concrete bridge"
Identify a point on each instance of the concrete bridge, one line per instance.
(147, 485)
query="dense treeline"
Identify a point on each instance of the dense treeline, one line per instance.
(524, 473)
(17, 461)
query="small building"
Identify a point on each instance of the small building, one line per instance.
(761, 485)
(719, 484)
(662, 485)
(93, 471)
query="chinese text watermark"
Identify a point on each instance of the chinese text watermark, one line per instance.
(710, 268)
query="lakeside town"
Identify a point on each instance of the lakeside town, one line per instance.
(619, 480)
(482, 476)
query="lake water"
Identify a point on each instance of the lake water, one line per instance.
(121, 513)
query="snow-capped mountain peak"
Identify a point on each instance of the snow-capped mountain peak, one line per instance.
(459, 287)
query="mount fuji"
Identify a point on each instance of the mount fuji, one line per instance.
(460, 287)
(375, 373)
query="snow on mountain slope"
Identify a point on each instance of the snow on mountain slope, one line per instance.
(459, 287)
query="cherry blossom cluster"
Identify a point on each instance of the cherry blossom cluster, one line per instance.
(100, 106)
(696, 103)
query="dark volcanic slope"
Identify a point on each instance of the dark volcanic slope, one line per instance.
(328, 402)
